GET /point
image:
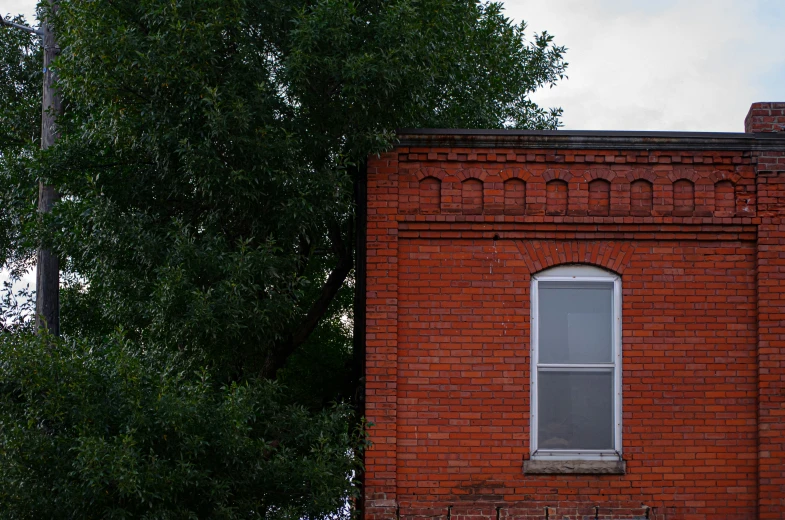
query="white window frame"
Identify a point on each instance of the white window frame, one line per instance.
(572, 273)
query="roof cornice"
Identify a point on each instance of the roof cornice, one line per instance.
(590, 139)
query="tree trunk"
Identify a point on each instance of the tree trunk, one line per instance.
(47, 305)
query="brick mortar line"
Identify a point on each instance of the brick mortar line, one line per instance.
(609, 236)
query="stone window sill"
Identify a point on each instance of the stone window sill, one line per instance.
(574, 467)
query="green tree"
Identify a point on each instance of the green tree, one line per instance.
(207, 161)
(108, 431)
(20, 133)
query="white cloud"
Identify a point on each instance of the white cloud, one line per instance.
(14, 7)
(687, 65)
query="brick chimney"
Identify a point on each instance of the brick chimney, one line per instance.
(765, 117)
(768, 118)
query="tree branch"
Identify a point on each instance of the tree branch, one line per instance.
(319, 307)
(329, 290)
(303, 254)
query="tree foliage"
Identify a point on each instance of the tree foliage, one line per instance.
(207, 161)
(20, 132)
(111, 431)
(20, 90)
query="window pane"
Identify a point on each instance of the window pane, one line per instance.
(575, 322)
(575, 410)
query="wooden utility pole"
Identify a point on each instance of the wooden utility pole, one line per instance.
(47, 276)
(47, 279)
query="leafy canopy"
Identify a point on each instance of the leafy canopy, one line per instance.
(104, 431)
(207, 161)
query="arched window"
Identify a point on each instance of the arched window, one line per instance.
(641, 197)
(556, 197)
(599, 197)
(514, 196)
(683, 197)
(724, 199)
(471, 196)
(576, 364)
(430, 195)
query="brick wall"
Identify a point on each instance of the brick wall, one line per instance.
(770, 167)
(455, 233)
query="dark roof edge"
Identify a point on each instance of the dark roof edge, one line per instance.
(590, 139)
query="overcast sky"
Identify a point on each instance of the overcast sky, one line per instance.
(650, 65)
(664, 64)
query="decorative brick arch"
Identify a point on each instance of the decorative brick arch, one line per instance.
(641, 173)
(515, 173)
(685, 179)
(600, 173)
(472, 173)
(543, 254)
(724, 175)
(679, 174)
(437, 173)
(552, 174)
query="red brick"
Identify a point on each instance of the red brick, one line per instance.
(698, 237)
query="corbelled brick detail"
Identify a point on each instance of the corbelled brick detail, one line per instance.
(698, 238)
(676, 190)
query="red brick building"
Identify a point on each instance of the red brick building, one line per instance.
(577, 324)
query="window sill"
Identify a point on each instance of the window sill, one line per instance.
(574, 467)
